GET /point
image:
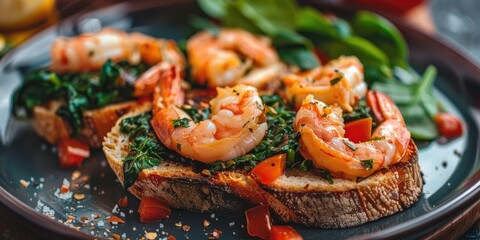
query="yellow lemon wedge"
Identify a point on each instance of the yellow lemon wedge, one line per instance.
(17, 14)
(2, 42)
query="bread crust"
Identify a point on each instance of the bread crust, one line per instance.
(96, 123)
(300, 197)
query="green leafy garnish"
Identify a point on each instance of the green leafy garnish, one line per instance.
(360, 111)
(181, 122)
(145, 149)
(335, 80)
(77, 92)
(416, 102)
(349, 144)
(368, 164)
(325, 174)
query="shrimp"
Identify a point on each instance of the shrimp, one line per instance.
(237, 123)
(340, 81)
(322, 138)
(88, 52)
(225, 59)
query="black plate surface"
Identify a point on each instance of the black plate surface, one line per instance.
(451, 170)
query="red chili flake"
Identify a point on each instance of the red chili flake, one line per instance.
(171, 237)
(186, 228)
(215, 234)
(64, 189)
(115, 219)
(70, 217)
(123, 202)
(116, 236)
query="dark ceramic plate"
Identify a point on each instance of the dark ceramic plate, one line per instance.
(451, 170)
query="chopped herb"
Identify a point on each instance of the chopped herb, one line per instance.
(368, 164)
(77, 92)
(144, 149)
(179, 147)
(325, 174)
(361, 110)
(377, 138)
(181, 122)
(197, 115)
(306, 165)
(335, 80)
(349, 144)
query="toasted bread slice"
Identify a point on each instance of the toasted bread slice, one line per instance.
(297, 196)
(96, 123)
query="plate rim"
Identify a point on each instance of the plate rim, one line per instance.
(451, 207)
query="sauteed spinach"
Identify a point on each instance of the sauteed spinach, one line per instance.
(77, 92)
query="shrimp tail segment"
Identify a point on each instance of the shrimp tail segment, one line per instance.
(323, 141)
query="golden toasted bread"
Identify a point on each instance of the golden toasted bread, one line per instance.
(297, 196)
(96, 123)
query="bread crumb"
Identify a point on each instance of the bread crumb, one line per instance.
(76, 174)
(114, 219)
(150, 235)
(123, 202)
(186, 228)
(116, 236)
(206, 223)
(206, 173)
(24, 183)
(79, 196)
(178, 224)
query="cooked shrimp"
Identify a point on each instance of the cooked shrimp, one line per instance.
(237, 124)
(90, 51)
(224, 59)
(340, 81)
(322, 138)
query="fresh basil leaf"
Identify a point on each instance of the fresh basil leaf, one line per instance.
(236, 19)
(383, 34)
(294, 49)
(289, 38)
(419, 123)
(270, 16)
(342, 27)
(364, 50)
(214, 8)
(199, 24)
(299, 56)
(401, 94)
(313, 21)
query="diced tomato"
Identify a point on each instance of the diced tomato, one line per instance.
(359, 130)
(372, 102)
(72, 152)
(270, 169)
(284, 233)
(448, 125)
(153, 210)
(259, 222)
